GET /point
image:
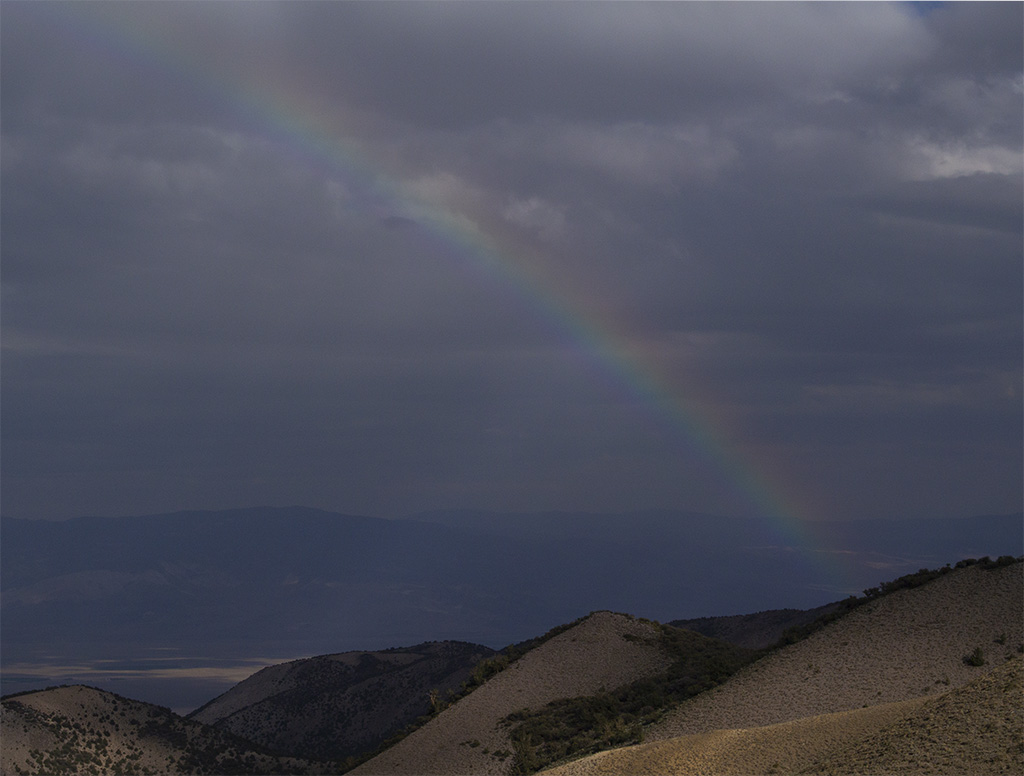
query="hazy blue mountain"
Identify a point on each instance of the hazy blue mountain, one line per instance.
(292, 582)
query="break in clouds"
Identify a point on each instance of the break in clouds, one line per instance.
(243, 256)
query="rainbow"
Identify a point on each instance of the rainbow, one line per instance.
(308, 125)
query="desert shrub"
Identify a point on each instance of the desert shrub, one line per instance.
(976, 658)
(1002, 560)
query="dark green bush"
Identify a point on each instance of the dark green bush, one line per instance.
(976, 658)
(577, 726)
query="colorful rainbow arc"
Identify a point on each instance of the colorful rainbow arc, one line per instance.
(304, 127)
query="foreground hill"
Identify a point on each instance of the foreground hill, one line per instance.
(335, 706)
(82, 730)
(893, 648)
(974, 729)
(893, 686)
(604, 650)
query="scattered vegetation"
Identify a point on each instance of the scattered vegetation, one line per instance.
(906, 582)
(577, 726)
(126, 737)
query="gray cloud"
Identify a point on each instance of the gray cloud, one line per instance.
(245, 255)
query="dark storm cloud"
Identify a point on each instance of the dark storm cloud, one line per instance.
(805, 216)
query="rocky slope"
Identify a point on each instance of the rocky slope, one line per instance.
(335, 706)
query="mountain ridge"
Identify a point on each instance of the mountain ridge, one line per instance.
(907, 660)
(286, 583)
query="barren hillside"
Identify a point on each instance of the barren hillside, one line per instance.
(605, 650)
(901, 646)
(974, 729)
(884, 689)
(82, 730)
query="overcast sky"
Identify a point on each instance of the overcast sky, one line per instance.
(385, 257)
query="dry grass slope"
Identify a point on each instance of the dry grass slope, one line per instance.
(883, 690)
(787, 747)
(976, 729)
(895, 648)
(603, 651)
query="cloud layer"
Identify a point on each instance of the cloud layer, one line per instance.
(389, 257)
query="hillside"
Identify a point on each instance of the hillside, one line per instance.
(603, 651)
(977, 729)
(894, 648)
(883, 689)
(335, 706)
(82, 730)
(974, 729)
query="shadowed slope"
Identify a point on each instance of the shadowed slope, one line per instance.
(335, 706)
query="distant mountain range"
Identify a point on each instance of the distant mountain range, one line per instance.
(275, 583)
(925, 672)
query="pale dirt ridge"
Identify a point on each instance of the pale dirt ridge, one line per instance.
(464, 739)
(787, 747)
